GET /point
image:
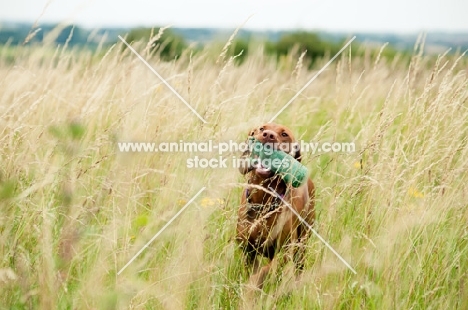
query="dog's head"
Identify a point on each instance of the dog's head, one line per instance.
(278, 137)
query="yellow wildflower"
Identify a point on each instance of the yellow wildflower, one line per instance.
(413, 192)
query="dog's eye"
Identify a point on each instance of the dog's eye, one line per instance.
(261, 128)
(284, 134)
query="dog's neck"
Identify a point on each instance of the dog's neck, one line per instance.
(258, 196)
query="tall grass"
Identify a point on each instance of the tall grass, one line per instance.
(74, 210)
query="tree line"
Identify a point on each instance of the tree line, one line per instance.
(173, 43)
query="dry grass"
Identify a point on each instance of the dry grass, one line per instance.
(73, 210)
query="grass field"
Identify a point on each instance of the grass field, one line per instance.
(74, 210)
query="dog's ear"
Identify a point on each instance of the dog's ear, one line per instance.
(245, 165)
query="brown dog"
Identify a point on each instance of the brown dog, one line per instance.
(265, 224)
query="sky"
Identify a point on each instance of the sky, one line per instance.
(398, 16)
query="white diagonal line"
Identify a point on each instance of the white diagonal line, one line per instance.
(163, 80)
(160, 231)
(312, 79)
(313, 231)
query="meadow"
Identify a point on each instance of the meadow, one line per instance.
(74, 209)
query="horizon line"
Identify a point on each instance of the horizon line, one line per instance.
(251, 28)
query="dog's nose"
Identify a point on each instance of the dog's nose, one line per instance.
(269, 136)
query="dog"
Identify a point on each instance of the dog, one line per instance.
(265, 224)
